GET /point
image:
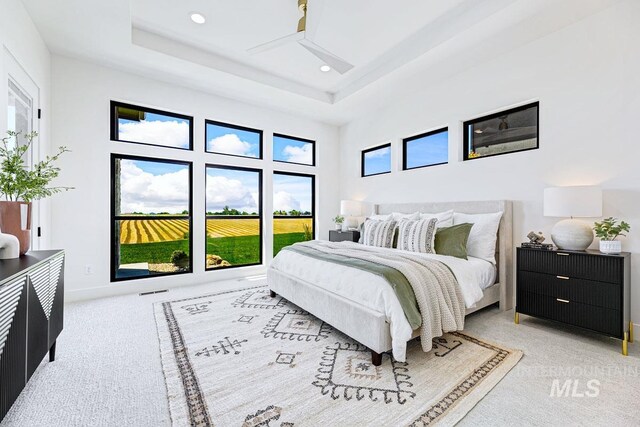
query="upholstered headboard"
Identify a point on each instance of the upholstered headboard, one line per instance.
(504, 245)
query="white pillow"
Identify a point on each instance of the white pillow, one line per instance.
(397, 216)
(445, 219)
(483, 235)
(417, 236)
(380, 217)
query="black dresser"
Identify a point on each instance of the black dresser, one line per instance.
(586, 289)
(31, 311)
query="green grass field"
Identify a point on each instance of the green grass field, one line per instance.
(238, 250)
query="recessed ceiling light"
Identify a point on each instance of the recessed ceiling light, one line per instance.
(325, 68)
(478, 131)
(198, 18)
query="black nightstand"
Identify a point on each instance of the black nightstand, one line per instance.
(588, 289)
(341, 236)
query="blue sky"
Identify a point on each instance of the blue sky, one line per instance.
(152, 187)
(377, 161)
(429, 150)
(292, 150)
(291, 192)
(234, 188)
(226, 140)
(156, 129)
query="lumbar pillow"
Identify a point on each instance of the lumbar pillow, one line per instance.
(379, 233)
(484, 233)
(417, 236)
(445, 219)
(452, 240)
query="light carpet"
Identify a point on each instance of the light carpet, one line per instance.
(244, 358)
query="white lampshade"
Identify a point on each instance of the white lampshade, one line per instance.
(579, 201)
(350, 208)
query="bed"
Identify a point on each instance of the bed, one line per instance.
(363, 306)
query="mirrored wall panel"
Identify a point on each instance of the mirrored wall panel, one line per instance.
(505, 132)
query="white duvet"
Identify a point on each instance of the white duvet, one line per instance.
(473, 276)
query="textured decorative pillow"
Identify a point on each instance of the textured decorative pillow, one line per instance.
(484, 233)
(417, 236)
(452, 240)
(445, 219)
(379, 233)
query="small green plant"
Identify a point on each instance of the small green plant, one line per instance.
(339, 219)
(308, 233)
(180, 259)
(608, 229)
(18, 182)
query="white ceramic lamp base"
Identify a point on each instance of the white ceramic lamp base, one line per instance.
(572, 235)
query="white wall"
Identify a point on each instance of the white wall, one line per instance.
(20, 42)
(81, 218)
(587, 79)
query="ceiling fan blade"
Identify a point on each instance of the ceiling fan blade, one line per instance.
(317, 8)
(337, 63)
(276, 43)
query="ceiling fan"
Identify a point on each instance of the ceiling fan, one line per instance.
(303, 37)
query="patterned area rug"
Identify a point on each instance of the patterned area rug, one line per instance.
(242, 358)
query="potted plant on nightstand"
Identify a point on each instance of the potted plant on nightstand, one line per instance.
(608, 230)
(21, 184)
(338, 220)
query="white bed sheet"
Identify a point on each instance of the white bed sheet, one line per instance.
(473, 276)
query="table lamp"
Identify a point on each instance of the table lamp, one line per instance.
(578, 201)
(350, 209)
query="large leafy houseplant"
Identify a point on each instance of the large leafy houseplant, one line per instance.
(18, 182)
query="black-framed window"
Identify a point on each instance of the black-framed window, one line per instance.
(232, 140)
(151, 205)
(290, 149)
(142, 125)
(376, 160)
(293, 209)
(426, 149)
(504, 132)
(233, 217)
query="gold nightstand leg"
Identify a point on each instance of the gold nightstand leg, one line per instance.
(625, 350)
(516, 318)
(630, 331)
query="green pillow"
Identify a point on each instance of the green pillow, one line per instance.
(452, 240)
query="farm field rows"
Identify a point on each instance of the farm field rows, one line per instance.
(162, 230)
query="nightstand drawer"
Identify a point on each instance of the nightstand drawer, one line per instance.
(599, 294)
(599, 268)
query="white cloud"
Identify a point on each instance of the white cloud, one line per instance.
(171, 134)
(229, 144)
(147, 193)
(302, 154)
(283, 201)
(223, 191)
(377, 153)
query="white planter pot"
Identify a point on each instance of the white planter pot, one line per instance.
(339, 227)
(610, 246)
